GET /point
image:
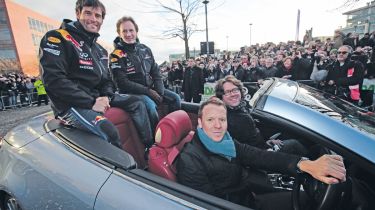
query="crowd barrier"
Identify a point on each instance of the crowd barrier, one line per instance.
(23, 99)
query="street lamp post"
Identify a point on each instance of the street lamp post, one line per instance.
(250, 32)
(227, 43)
(205, 2)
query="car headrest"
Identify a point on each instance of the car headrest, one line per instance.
(172, 129)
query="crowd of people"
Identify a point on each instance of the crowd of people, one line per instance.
(83, 84)
(307, 60)
(18, 90)
(319, 61)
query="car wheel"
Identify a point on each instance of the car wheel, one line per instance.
(10, 203)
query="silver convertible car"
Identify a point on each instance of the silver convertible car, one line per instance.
(47, 165)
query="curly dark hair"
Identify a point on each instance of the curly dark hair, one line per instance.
(219, 88)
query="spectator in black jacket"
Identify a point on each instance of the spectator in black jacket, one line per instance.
(210, 73)
(237, 70)
(215, 163)
(302, 67)
(286, 70)
(345, 76)
(365, 40)
(270, 69)
(255, 73)
(193, 83)
(176, 73)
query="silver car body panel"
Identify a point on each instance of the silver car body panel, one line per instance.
(43, 172)
(124, 192)
(27, 132)
(47, 174)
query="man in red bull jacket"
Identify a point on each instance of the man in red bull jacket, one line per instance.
(75, 72)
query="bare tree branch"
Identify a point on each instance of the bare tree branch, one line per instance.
(182, 10)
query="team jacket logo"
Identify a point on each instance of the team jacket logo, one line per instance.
(114, 59)
(98, 119)
(52, 51)
(147, 56)
(54, 40)
(51, 45)
(85, 62)
(119, 53)
(83, 55)
(68, 37)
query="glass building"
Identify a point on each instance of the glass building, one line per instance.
(361, 20)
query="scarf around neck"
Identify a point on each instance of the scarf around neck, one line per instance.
(225, 147)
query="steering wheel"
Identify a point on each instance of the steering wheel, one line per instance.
(321, 195)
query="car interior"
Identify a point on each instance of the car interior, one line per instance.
(177, 128)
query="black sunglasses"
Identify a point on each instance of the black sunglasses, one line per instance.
(342, 52)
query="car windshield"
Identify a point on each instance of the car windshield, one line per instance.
(336, 108)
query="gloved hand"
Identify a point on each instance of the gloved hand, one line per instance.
(155, 96)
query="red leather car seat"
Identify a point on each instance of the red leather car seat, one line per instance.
(172, 132)
(130, 141)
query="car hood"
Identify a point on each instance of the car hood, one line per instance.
(25, 133)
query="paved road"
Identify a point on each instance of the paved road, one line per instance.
(11, 118)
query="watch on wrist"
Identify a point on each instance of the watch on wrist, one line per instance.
(299, 171)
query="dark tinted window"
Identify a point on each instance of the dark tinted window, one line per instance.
(5, 37)
(5, 54)
(3, 17)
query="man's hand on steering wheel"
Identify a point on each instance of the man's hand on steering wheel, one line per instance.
(329, 169)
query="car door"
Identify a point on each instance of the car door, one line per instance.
(48, 174)
(124, 192)
(140, 189)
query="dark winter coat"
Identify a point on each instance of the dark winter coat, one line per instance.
(74, 67)
(193, 83)
(245, 132)
(134, 68)
(211, 173)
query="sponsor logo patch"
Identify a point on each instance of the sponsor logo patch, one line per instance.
(51, 45)
(52, 51)
(87, 67)
(98, 119)
(54, 40)
(119, 53)
(115, 66)
(68, 37)
(114, 59)
(85, 62)
(83, 55)
(130, 70)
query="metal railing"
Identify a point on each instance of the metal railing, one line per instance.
(20, 100)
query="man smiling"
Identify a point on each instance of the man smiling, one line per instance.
(77, 78)
(215, 163)
(230, 90)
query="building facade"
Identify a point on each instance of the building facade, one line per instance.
(361, 20)
(21, 30)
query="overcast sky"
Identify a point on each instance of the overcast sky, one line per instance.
(271, 21)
